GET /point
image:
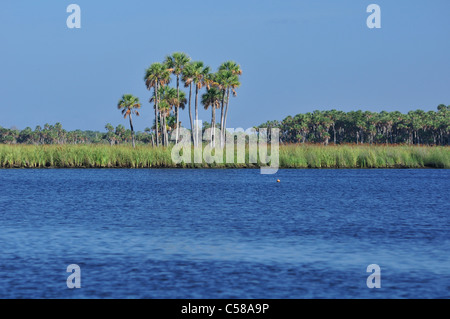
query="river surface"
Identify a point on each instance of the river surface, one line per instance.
(184, 233)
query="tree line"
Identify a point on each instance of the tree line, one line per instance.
(55, 134)
(415, 127)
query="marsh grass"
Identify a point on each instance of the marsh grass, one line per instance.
(364, 156)
(291, 156)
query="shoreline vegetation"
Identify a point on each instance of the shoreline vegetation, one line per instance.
(177, 83)
(321, 139)
(291, 156)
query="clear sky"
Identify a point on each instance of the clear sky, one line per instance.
(296, 56)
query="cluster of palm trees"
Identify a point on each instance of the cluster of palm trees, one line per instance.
(167, 100)
(415, 127)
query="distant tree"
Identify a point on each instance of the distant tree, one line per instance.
(129, 104)
(25, 136)
(110, 135)
(120, 133)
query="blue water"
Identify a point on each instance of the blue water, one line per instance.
(224, 233)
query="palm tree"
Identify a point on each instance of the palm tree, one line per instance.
(156, 76)
(212, 97)
(188, 79)
(164, 109)
(199, 74)
(416, 123)
(169, 98)
(222, 82)
(129, 105)
(227, 80)
(110, 134)
(333, 116)
(120, 132)
(176, 63)
(179, 101)
(233, 83)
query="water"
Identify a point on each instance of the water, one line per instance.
(224, 233)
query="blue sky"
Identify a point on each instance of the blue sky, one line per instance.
(297, 56)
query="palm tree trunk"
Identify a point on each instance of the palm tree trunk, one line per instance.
(156, 125)
(166, 139)
(334, 133)
(196, 116)
(178, 109)
(214, 126)
(162, 128)
(213, 119)
(221, 118)
(132, 132)
(190, 112)
(226, 113)
(167, 132)
(211, 133)
(156, 114)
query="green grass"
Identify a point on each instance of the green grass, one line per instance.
(291, 156)
(364, 156)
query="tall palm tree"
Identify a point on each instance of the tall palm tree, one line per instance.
(199, 74)
(221, 81)
(129, 105)
(231, 66)
(227, 80)
(234, 84)
(156, 76)
(188, 78)
(212, 97)
(236, 71)
(176, 63)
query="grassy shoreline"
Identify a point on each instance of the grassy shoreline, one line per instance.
(291, 156)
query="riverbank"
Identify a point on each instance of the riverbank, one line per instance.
(291, 156)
